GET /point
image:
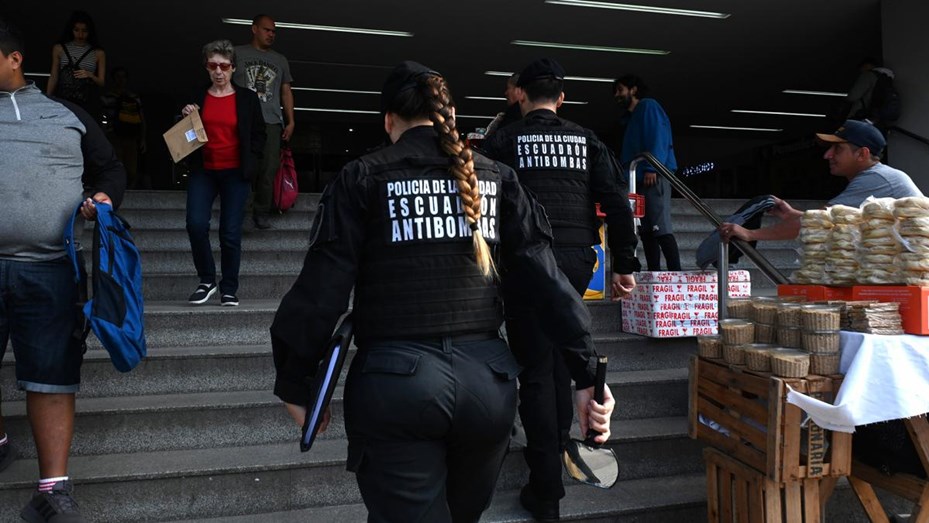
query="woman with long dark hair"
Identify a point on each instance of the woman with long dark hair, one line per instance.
(423, 230)
(78, 63)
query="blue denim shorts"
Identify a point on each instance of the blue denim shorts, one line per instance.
(39, 312)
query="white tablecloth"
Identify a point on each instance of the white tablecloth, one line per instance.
(886, 377)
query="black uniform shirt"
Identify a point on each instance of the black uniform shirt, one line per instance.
(340, 241)
(524, 146)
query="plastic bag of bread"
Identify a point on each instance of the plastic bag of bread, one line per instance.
(814, 235)
(878, 209)
(911, 207)
(879, 277)
(919, 244)
(913, 261)
(843, 214)
(816, 218)
(914, 226)
(877, 259)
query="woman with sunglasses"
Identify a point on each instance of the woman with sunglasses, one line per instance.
(224, 167)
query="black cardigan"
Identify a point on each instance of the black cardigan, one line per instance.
(251, 126)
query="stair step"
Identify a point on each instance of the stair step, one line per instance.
(646, 500)
(248, 479)
(172, 370)
(144, 220)
(124, 424)
(178, 200)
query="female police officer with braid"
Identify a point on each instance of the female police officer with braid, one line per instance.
(431, 395)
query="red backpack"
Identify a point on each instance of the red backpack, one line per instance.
(285, 182)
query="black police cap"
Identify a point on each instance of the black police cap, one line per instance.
(542, 68)
(402, 78)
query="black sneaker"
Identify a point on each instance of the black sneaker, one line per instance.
(55, 506)
(203, 293)
(229, 300)
(6, 455)
(261, 221)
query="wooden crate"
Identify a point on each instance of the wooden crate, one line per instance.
(762, 429)
(738, 493)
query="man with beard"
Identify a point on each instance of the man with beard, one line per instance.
(649, 130)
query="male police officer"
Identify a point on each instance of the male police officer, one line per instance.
(568, 169)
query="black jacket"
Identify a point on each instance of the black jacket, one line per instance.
(350, 220)
(251, 131)
(556, 190)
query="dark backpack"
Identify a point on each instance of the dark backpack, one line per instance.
(77, 90)
(285, 182)
(115, 311)
(884, 106)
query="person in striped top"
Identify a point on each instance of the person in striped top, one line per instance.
(78, 64)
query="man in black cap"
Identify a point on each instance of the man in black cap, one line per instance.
(854, 153)
(568, 169)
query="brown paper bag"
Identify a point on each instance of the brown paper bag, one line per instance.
(185, 137)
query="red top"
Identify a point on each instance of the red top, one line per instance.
(221, 151)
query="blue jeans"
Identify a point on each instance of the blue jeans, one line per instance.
(39, 312)
(202, 189)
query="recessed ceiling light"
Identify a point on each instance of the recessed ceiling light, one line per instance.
(725, 128)
(581, 47)
(779, 113)
(572, 78)
(639, 8)
(814, 93)
(351, 130)
(36, 74)
(502, 99)
(322, 90)
(327, 110)
(314, 27)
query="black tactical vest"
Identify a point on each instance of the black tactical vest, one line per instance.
(418, 276)
(553, 162)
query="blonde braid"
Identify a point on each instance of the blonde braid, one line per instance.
(436, 91)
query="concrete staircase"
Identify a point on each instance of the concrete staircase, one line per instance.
(195, 434)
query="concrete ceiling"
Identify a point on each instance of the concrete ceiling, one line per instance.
(714, 66)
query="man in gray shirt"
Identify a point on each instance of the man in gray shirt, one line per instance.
(49, 148)
(267, 72)
(854, 153)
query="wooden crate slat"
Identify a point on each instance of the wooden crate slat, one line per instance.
(733, 447)
(725, 495)
(692, 395)
(811, 506)
(918, 428)
(738, 429)
(756, 500)
(868, 500)
(727, 397)
(774, 502)
(735, 379)
(741, 499)
(712, 491)
(793, 503)
(906, 486)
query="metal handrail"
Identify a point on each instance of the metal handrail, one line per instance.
(750, 252)
(911, 134)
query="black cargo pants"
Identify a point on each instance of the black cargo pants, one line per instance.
(428, 426)
(546, 401)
